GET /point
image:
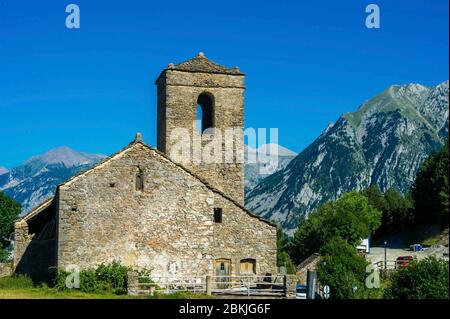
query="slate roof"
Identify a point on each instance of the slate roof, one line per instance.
(202, 64)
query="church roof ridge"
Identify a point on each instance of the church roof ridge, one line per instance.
(201, 64)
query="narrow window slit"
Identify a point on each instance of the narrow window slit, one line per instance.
(139, 180)
(217, 215)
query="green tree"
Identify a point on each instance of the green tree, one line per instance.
(397, 210)
(9, 211)
(375, 197)
(283, 258)
(308, 237)
(430, 190)
(341, 268)
(425, 279)
(351, 218)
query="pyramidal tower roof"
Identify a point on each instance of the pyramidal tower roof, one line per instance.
(201, 63)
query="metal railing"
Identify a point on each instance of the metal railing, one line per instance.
(390, 264)
(247, 285)
(170, 284)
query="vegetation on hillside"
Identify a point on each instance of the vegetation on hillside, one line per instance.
(350, 218)
(430, 190)
(397, 210)
(336, 227)
(426, 204)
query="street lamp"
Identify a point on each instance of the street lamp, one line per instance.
(385, 258)
(324, 263)
(354, 288)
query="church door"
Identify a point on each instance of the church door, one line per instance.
(222, 267)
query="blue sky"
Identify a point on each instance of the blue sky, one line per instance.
(306, 62)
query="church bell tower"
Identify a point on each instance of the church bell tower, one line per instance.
(204, 99)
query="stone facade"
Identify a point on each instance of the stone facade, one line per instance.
(178, 90)
(6, 269)
(167, 227)
(35, 243)
(141, 208)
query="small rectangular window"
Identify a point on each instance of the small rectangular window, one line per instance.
(217, 215)
(139, 182)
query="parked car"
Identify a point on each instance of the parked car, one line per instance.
(301, 292)
(403, 261)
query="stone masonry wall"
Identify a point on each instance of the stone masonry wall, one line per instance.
(35, 258)
(168, 227)
(6, 269)
(178, 92)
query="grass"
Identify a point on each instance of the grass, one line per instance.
(41, 293)
(22, 287)
(180, 295)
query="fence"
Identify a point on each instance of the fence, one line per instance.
(250, 285)
(170, 284)
(390, 264)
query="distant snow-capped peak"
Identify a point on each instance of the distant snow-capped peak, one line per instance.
(270, 149)
(66, 156)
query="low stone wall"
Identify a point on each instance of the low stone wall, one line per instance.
(6, 269)
(309, 263)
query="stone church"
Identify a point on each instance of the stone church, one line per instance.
(142, 208)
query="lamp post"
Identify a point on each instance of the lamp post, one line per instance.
(354, 288)
(385, 258)
(324, 263)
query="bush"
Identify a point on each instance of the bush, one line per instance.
(425, 279)
(106, 278)
(341, 268)
(4, 255)
(16, 282)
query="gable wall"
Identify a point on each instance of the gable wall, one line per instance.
(170, 222)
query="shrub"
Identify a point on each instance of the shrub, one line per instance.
(425, 279)
(341, 268)
(16, 282)
(106, 278)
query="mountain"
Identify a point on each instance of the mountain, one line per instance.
(257, 162)
(3, 170)
(37, 178)
(383, 143)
